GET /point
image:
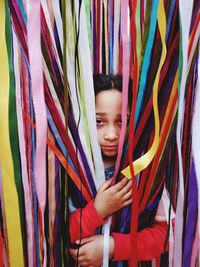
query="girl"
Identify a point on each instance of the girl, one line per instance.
(108, 104)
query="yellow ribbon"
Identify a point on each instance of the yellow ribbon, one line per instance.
(142, 162)
(6, 162)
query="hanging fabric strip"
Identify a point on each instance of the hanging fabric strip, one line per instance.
(47, 19)
(144, 160)
(19, 24)
(51, 200)
(146, 28)
(23, 11)
(100, 35)
(69, 169)
(93, 33)
(147, 58)
(27, 192)
(148, 107)
(62, 160)
(139, 37)
(166, 126)
(97, 33)
(5, 253)
(79, 149)
(105, 3)
(116, 36)
(110, 36)
(29, 134)
(106, 232)
(13, 121)
(185, 18)
(190, 222)
(194, 41)
(58, 19)
(77, 160)
(53, 92)
(125, 80)
(135, 29)
(79, 127)
(88, 5)
(84, 55)
(196, 155)
(9, 187)
(171, 12)
(195, 251)
(35, 55)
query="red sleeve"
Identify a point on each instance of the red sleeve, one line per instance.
(90, 221)
(150, 243)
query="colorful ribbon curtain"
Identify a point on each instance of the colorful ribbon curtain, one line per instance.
(48, 140)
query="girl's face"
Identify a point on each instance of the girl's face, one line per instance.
(108, 106)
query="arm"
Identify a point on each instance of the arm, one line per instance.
(151, 240)
(90, 221)
(150, 243)
(107, 201)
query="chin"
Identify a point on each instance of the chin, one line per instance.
(110, 154)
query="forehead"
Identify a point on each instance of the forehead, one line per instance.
(110, 99)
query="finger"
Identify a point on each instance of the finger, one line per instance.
(73, 252)
(127, 188)
(105, 185)
(127, 196)
(120, 184)
(84, 263)
(127, 202)
(84, 241)
(76, 252)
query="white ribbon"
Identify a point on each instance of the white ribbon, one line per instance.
(87, 76)
(58, 20)
(106, 232)
(22, 149)
(185, 8)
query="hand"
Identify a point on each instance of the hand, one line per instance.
(91, 251)
(111, 199)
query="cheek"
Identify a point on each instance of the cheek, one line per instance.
(100, 133)
(118, 129)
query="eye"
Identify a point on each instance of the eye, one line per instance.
(99, 121)
(119, 122)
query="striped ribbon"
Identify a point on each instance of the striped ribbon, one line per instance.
(144, 160)
(40, 114)
(9, 188)
(185, 12)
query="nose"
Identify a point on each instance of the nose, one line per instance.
(111, 134)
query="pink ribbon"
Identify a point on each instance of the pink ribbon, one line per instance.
(125, 74)
(35, 56)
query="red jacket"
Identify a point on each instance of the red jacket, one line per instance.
(150, 240)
